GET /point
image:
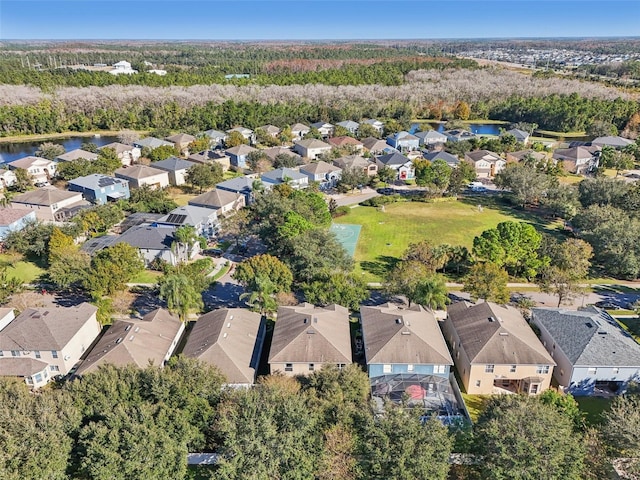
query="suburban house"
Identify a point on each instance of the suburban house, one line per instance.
(451, 160)
(374, 145)
(181, 141)
(150, 340)
(139, 175)
(122, 68)
(431, 138)
(155, 242)
(307, 337)
(357, 162)
(100, 189)
(299, 130)
(521, 155)
(399, 163)
(7, 178)
(222, 201)
(176, 168)
(311, 148)
(77, 154)
(212, 156)
(49, 203)
(151, 143)
(458, 135)
(242, 185)
(611, 141)
(592, 351)
(127, 154)
(217, 138)
(273, 152)
(247, 133)
(42, 343)
(403, 340)
(204, 220)
(14, 220)
(346, 142)
(350, 125)
(325, 129)
(278, 176)
(377, 124)
(485, 163)
(578, 159)
(238, 155)
(495, 350)
(403, 141)
(324, 173)
(231, 339)
(271, 130)
(521, 135)
(40, 169)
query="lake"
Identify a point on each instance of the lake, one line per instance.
(13, 151)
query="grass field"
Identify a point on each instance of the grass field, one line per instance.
(385, 235)
(27, 271)
(593, 407)
(475, 404)
(147, 276)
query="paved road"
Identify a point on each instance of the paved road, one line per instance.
(224, 293)
(355, 198)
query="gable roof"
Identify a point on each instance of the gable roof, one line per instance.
(77, 154)
(270, 129)
(152, 142)
(373, 121)
(135, 341)
(516, 132)
(229, 339)
(188, 215)
(21, 366)
(237, 184)
(299, 127)
(215, 134)
(49, 328)
(273, 152)
(344, 140)
(312, 143)
(27, 162)
(395, 158)
(12, 215)
(372, 143)
(118, 147)
(318, 168)
(496, 334)
(242, 130)
(215, 199)
(589, 337)
(403, 335)
(146, 236)
(576, 153)
(612, 141)
(352, 161)
(485, 155)
(139, 171)
(402, 136)
(442, 155)
(181, 138)
(96, 181)
(279, 174)
(305, 333)
(240, 150)
(349, 124)
(432, 134)
(320, 125)
(173, 164)
(45, 196)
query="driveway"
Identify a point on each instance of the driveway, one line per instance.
(225, 292)
(346, 199)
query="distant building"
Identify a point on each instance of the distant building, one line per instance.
(611, 141)
(77, 154)
(122, 68)
(520, 135)
(151, 143)
(311, 148)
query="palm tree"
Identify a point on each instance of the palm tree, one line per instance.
(431, 292)
(261, 299)
(180, 294)
(185, 237)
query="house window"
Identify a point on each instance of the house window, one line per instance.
(340, 366)
(311, 367)
(616, 370)
(542, 369)
(1, 353)
(438, 368)
(478, 383)
(38, 377)
(288, 367)
(489, 368)
(386, 369)
(410, 368)
(513, 368)
(592, 370)
(36, 353)
(458, 354)
(534, 388)
(54, 368)
(15, 353)
(54, 353)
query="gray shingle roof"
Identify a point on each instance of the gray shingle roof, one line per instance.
(393, 159)
(442, 155)
(97, 181)
(403, 335)
(146, 236)
(238, 184)
(433, 134)
(173, 164)
(483, 155)
(497, 334)
(613, 141)
(311, 334)
(152, 142)
(320, 167)
(280, 174)
(589, 337)
(188, 215)
(311, 143)
(228, 339)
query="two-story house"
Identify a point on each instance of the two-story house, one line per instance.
(100, 189)
(278, 176)
(486, 164)
(398, 162)
(128, 154)
(40, 169)
(176, 168)
(204, 220)
(324, 173)
(311, 148)
(49, 203)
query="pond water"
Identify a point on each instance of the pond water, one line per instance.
(13, 151)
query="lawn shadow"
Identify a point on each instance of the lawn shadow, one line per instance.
(381, 266)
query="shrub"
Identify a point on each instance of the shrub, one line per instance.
(340, 211)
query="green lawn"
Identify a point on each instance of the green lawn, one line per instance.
(386, 234)
(26, 270)
(147, 276)
(631, 325)
(593, 407)
(475, 404)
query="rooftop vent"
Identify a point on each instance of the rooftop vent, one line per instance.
(602, 332)
(127, 328)
(491, 319)
(311, 331)
(119, 340)
(406, 332)
(315, 319)
(137, 329)
(225, 335)
(398, 321)
(230, 317)
(131, 338)
(228, 325)
(589, 324)
(504, 334)
(407, 323)
(305, 321)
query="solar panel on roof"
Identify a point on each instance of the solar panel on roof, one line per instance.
(105, 181)
(175, 218)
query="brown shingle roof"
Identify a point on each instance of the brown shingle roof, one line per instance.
(496, 334)
(311, 334)
(403, 335)
(215, 198)
(10, 215)
(138, 172)
(138, 342)
(45, 196)
(21, 366)
(228, 339)
(344, 140)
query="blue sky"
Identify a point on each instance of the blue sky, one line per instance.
(315, 19)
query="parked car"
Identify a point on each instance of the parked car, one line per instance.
(213, 252)
(607, 305)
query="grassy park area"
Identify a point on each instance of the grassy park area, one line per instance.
(22, 268)
(387, 233)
